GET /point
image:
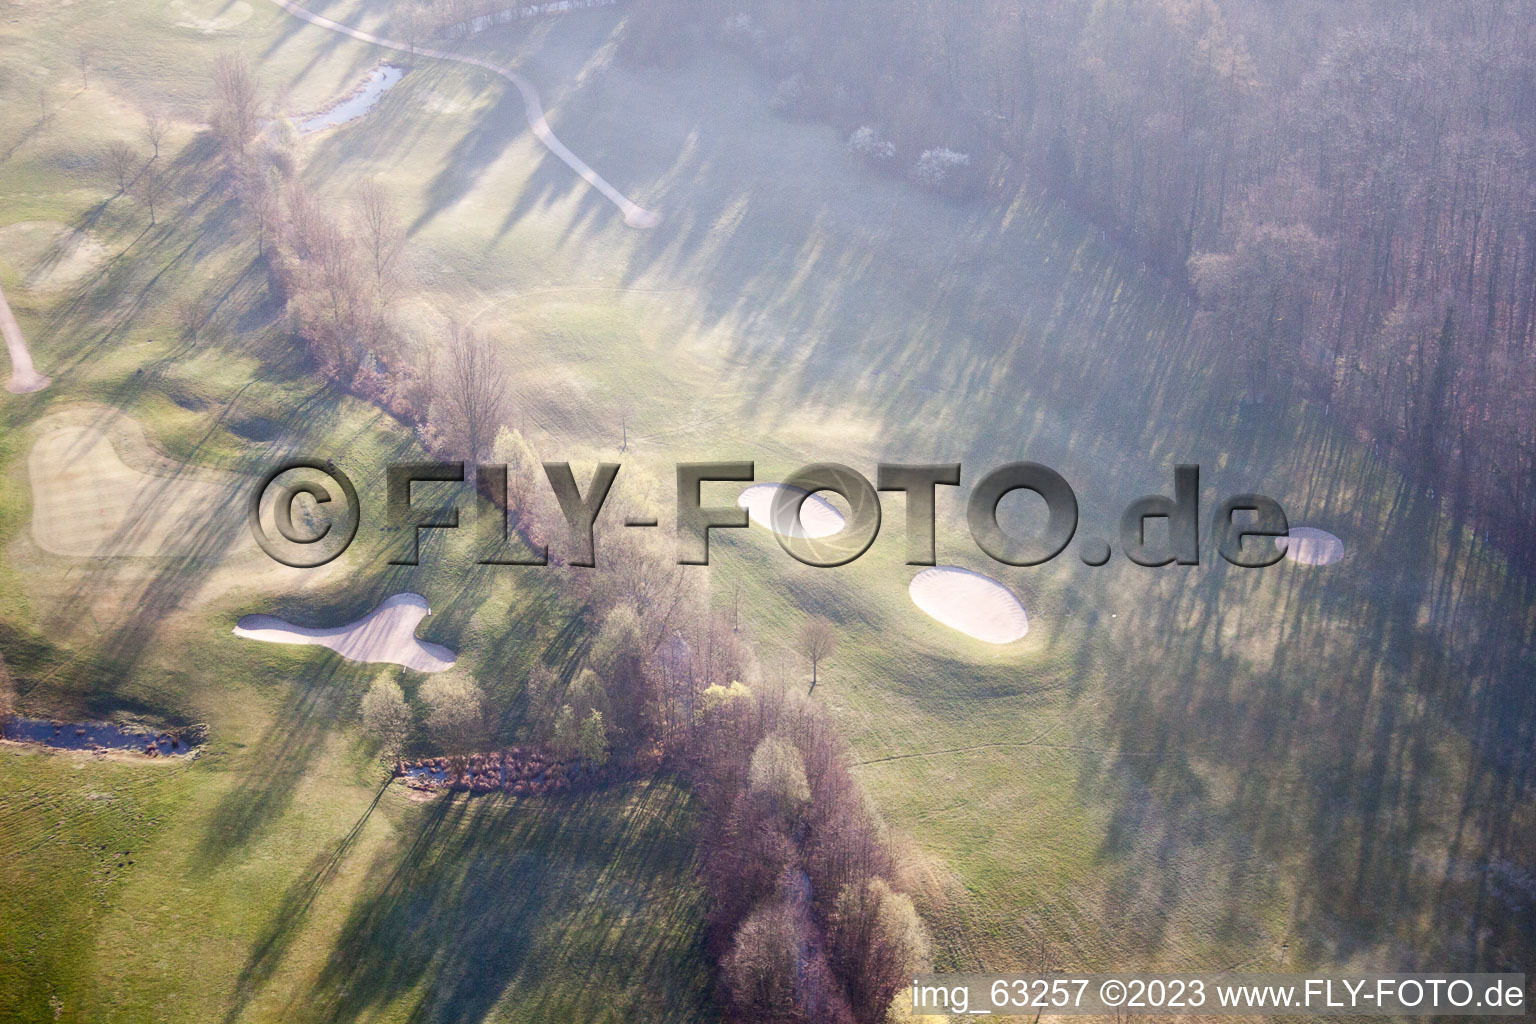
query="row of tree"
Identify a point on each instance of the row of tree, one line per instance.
(339, 269)
(1348, 188)
(805, 918)
(820, 931)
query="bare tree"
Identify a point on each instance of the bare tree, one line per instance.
(119, 160)
(7, 693)
(455, 712)
(763, 964)
(83, 62)
(156, 124)
(626, 414)
(380, 227)
(817, 641)
(777, 773)
(387, 717)
(527, 494)
(877, 941)
(236, 102)
(258, 188)
(415, 24)
(151, 187)
(470, 403)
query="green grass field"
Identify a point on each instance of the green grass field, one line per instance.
(1177, 768)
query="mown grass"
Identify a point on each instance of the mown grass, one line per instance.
(270, 878)
(1176, 768)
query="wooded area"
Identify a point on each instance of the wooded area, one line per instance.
(1346, 189)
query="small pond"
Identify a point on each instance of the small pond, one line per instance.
(379, 81)
(94, 736)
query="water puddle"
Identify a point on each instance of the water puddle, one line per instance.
(95, 736)
(380, 80)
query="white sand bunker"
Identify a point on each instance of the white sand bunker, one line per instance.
(386, 635)
(817, 516)
(24, 379)
(87, 502)
(1310, 546)
(48, 255)
(976, 605)
(208, 17)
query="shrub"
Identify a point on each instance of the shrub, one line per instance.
(867, 143)
(939, 167)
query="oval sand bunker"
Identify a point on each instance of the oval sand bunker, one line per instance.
(976, 605)
(386, 635)
(1310, 546)
(817, 516)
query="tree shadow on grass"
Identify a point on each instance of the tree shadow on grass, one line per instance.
(581, 908)
(288, 921)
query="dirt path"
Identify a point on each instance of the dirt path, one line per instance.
(635, 216)
(24, 376)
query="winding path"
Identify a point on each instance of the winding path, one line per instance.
(24, 376)
(634, 215)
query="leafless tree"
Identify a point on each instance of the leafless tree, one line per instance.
(83, 55)
(817, 641)
(258, 190)
(236, 102)
(387, 717)
(455, 712)
(7, 693)
(470, 402)
(156, 124)
(151, 187)
(415, 24)
(379, 225)
(119, 160)
(878, 942)
(763, 965)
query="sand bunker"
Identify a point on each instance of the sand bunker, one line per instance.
(87, 502)
(817, 516)
(379, 81)
(1310, 546)
(208, 18)
(24, 377)
(48, 255)
(976, 605)
(386, 635)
